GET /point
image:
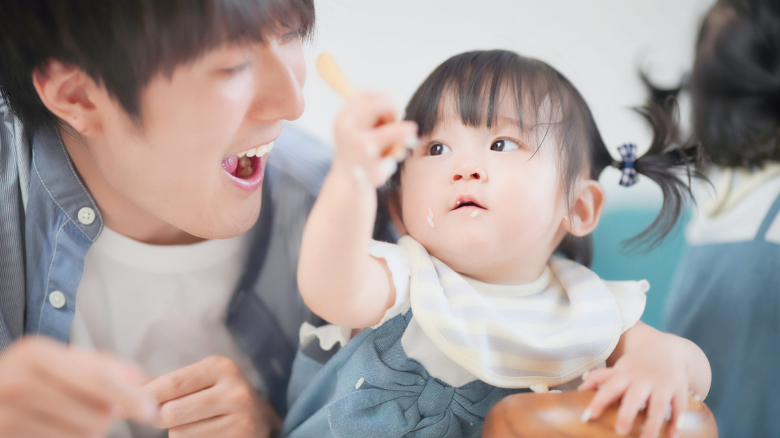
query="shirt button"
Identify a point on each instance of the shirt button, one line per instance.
(57, 299)
(86, 216)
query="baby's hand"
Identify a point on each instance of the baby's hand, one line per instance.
(364, 131)
(644, 378)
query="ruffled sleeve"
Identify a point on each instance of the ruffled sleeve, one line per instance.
(398, 262)
(631, 299)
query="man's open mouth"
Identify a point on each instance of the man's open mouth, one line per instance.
(246, 168)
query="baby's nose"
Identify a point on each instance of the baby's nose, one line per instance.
(470, 173)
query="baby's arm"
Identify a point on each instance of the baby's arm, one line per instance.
(337, 278)
(653, 368)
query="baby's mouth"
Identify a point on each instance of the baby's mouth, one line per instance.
(467, 203)
(243, 164)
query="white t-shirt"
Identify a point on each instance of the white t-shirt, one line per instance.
(629, 297)
(161, 307)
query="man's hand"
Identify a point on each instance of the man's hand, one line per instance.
(48, 390)
(211, 398)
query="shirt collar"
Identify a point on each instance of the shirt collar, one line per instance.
(53, 166)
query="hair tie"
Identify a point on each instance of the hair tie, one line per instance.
(630, 175)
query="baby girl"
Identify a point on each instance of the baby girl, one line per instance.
(483, 296)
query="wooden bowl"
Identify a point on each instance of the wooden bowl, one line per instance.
(557, 415)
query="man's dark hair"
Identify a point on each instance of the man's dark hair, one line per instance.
(122, 44)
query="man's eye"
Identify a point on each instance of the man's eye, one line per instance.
(236, 69)
(504, 145)
(439, 149)
(291, 36)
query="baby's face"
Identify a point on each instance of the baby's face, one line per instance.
(488, 202)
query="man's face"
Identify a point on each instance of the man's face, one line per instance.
(231, 100)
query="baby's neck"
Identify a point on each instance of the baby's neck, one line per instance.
(505, 272)
(515, 278)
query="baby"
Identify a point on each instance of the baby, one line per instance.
(472, 304)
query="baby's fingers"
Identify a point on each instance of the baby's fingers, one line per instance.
(593, 379)
(633, 401)
(608, 392)
(658, 411)
(385, 136)
(679, 407)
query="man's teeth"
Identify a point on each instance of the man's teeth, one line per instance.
(258, 151)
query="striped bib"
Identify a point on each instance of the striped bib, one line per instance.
(547, 338)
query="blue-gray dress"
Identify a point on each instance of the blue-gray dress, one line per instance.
(726, 299)
(371, 388)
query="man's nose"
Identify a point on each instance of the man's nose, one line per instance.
(279, 92)
(467, 173)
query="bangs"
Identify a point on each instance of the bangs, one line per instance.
(208, 24)
(475, 84)
(550, 112)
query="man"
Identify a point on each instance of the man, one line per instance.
(124, 145)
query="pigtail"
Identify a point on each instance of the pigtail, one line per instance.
(663, 163)
(665, 98)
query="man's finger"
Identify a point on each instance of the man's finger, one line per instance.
(100, 381)
(201, 405)
(28, 425)
(63, 412)
(97, 379)
(190, 379)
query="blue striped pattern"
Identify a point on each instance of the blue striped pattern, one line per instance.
(14, 180)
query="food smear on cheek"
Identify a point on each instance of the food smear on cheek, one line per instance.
(430, 218)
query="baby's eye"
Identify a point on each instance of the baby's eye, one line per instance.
(504, 145)
(439, 149)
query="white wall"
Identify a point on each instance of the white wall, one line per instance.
(392, 45)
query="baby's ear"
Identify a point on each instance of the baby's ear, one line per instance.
(586, 209)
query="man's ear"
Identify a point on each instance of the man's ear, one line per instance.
(586, 210)
(67, 92)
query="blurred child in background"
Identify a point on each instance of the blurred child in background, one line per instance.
(726, 297)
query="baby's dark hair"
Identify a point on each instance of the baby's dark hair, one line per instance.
(547, 104)
(735, 84)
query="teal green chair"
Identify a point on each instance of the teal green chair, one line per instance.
(614, 261)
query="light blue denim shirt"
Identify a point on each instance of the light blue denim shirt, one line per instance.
(48, 221)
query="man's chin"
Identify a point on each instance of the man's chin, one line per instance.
(226, 227)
